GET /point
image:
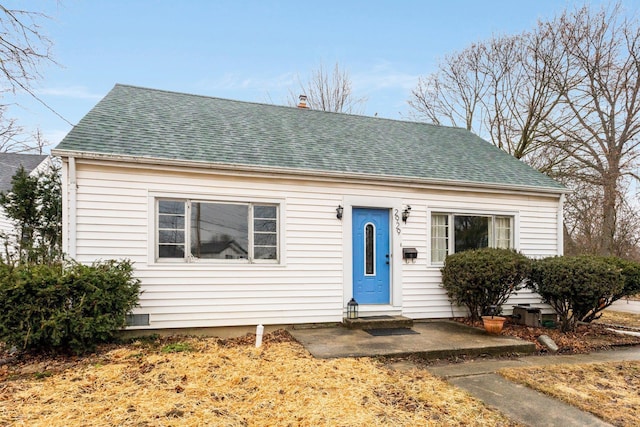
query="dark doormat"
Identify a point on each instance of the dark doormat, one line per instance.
(385, 332)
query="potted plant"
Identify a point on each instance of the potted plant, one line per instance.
(493, 324)
(483, 280)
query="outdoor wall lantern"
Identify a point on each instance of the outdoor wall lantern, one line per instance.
(405, 214)
(352, 309)
(339, 211)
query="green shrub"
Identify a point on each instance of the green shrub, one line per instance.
(482, 278)
(33, 205)
(65, 308)
(177, 347)
(631, 274)
(578, 288)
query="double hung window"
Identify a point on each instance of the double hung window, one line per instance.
(197, 230)
(451, 233)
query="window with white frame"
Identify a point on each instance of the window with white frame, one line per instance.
(199, 230)
(451, 233)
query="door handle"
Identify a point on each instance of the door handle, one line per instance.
(387, 256)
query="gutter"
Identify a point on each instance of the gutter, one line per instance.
(73, 204)
(560, 221)
(309, 173)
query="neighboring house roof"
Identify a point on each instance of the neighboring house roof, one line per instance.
(154, 124)
(11, 162)
(219, 246)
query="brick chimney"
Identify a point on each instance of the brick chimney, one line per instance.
(303, 101)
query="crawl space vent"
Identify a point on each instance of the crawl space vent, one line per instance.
(137, 320)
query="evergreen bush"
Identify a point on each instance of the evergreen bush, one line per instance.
(484, 278)
(65, 308)
(630, 273)
(33, 205)
(579, 288)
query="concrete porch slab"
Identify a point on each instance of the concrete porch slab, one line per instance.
(377, 322)
(434, 340)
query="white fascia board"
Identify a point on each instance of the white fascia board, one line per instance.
(310, 174)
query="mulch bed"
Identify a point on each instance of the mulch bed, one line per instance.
(585, 339)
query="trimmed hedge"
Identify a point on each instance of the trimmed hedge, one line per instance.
(579, 288)
(482, 278)
(65, 308)
(630, 272)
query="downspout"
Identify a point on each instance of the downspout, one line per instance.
(560, 232)
(73, 203)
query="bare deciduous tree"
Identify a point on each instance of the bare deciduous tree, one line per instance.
(11, 134)
(564, 97)
(14, 140)
(23, 49)
(500, 90)
(454, 94)
(329, 91)
(583, 224)
(601, 102)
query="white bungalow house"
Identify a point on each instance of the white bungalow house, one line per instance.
(10, 163)
(239, 213)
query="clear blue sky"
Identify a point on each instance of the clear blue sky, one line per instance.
(254, 50)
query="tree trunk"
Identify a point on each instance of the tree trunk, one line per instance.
(609, 211)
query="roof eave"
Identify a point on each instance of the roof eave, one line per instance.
(303, 172)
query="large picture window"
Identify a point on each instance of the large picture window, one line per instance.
(451, 233)
(195, 230)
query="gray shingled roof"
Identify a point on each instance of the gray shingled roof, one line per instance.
(139, 122)
(10, 163)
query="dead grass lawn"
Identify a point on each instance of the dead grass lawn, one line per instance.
(208, 381)
(610, 391)
(620, 318)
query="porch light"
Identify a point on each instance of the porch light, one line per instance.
(405, 214)
(352, 309)
(339, 211)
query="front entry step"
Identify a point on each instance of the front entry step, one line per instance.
(378, 322)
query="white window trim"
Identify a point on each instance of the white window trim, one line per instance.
(515, 227)
(152, 229)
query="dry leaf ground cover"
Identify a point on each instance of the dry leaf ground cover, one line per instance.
(610, 391)
(208, 381)
(585, 339)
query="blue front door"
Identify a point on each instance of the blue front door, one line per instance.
(371, 256)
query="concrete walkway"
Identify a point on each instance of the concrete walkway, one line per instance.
(430, 340)
(521, 403)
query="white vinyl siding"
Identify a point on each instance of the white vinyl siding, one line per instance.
(116, 218)
(7, 230)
